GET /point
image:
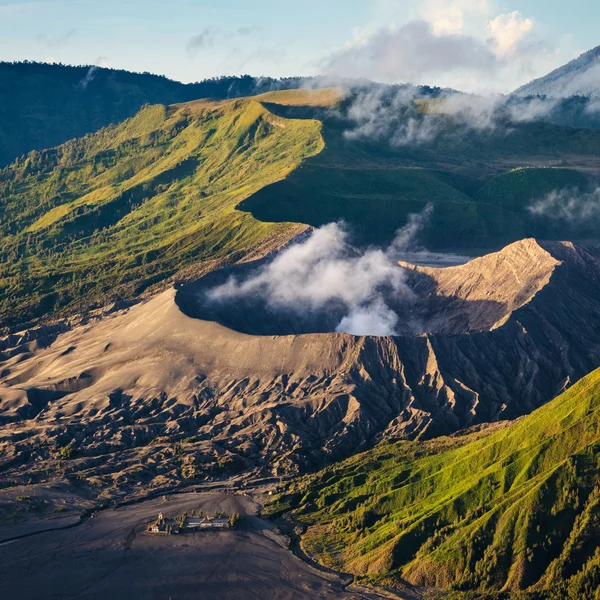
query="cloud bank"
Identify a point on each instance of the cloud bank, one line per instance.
(449, 43)
(585, 83)
(325, 271)
(412, 53)
(405, 115)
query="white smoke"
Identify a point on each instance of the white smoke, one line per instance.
(406, 236)
(88, 77)
(372, 319)
(568, 205)
(325, 269)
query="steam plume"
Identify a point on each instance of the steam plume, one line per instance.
(88, 77)
(326, 271)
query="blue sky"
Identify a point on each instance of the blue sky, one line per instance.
(496, 44)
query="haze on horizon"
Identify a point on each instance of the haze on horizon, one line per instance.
(473, 45)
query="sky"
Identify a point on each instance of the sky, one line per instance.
(482, 46)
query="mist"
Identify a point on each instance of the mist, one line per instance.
(409, 115)
(89, 77)
(568, 205)
(325, 271)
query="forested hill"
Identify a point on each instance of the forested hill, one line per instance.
(44, 105)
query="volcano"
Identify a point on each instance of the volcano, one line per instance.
(501, 335)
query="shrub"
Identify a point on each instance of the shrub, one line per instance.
(65, 453)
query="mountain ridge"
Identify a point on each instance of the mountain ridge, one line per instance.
(146, 199)
(581, 76)
(143, 203)
(44, 105)
(494, 512)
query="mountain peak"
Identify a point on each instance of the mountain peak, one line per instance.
(579, 77)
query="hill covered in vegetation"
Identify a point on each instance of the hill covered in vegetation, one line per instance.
(44, 105)
(205, 183)
(481, 181)
(512, 508)
(106, 216)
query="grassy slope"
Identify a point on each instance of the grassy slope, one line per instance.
(375, 201)
(112, 213)
(521, 186)
(108, 215)
(518, 508)
(504, 199)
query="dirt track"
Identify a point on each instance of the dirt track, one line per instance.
(110, 558)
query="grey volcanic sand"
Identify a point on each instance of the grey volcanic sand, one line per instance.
(110, 557)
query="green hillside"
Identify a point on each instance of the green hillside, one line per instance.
(514, 509)
(43, 105)
(180, 189)
(521, 186)
(375, 201)
(108, 215)
(504, 199)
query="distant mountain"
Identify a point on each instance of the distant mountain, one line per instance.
(580, 77)
(44, 105)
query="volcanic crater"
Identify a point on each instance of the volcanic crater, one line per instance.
(473, 297)
(500, 336)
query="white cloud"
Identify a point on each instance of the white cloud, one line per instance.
(449, 17)
(508, 31)
(411, 53)
(396, 115)
(585, 83)
(570, 205)
(463, 44)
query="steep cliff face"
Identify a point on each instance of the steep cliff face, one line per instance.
(482, 294)
(503, 335)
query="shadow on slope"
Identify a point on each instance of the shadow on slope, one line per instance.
(480, 182)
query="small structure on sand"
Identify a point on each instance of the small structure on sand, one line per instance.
(207, 522)
(166, 526)
(163, 526)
